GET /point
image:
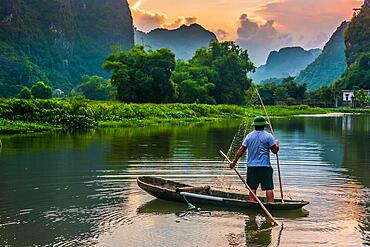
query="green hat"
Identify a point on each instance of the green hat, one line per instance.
(260, 121)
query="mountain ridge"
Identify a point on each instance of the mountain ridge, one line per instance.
(357, 74)
(287, 61)
(183, 41)
(330, 65)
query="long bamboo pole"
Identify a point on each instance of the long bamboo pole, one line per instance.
(271, 218)
(277, 156)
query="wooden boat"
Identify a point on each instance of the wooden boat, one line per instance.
(173, 191)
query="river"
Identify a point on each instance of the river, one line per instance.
(79, 189)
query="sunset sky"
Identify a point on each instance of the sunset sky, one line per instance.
(257, 25)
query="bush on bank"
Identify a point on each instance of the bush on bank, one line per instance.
(14, 127)
(82, 114)
(78, 114)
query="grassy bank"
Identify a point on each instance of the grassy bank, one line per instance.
(17, 116)
(14, 127)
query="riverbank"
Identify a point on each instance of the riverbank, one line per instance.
(20, 116)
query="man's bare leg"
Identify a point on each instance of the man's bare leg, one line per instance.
(270, 196)
(251, 197)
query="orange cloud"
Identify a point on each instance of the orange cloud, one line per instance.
(147, 20)
(180, 21)
(260, 39)
(306, 23)
(306, 17)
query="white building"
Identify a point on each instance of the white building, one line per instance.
(348, 96)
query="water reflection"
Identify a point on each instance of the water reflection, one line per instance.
(79, 188)
(343, 142)
(158, 206)
(258, 233)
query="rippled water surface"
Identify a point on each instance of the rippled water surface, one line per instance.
(80, 190)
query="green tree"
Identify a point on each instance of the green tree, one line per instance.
(142, 76)
(193, 83)
(295, 90)
(41, 91)
(267, 92)
(362, 98)
(322, 97)
(357, 74)
(251, 96)
(288, 92)
(328, 96)
(231, 65)
(94, 87)
(281, 94)
(25, 93)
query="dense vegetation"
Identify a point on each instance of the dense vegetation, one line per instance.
(288, 61)
(357, 74)
(95, 88)
(217, 74)
(322, 97)
(142, 76)
(357, 35)
(287, 92)
(229, 64)
(183, 41)
(58, 41)
(77, 114)
(357, 42)
(329, 66)
(194, 83)
(362, 98)
(18, 115)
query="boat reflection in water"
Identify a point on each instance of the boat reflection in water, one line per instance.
(257, 230)
(158, 206)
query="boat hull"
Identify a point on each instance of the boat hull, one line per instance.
(166, 190)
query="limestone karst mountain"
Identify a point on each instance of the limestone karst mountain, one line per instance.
(330, 65)
(288, 61)
(58, 41)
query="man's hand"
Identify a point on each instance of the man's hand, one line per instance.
(275, 148)
(233, 164)
(240, 152)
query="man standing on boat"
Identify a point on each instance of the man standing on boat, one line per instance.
(259, 143)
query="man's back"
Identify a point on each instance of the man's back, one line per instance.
(258, 144)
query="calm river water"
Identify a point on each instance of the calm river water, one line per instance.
(79, 189)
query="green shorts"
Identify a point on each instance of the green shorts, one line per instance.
(260, 175)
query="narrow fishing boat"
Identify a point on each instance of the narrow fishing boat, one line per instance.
(174, 191)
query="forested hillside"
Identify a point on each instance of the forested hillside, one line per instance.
(58, 41)
(357, 39)
(330, 65)
(288, 61)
